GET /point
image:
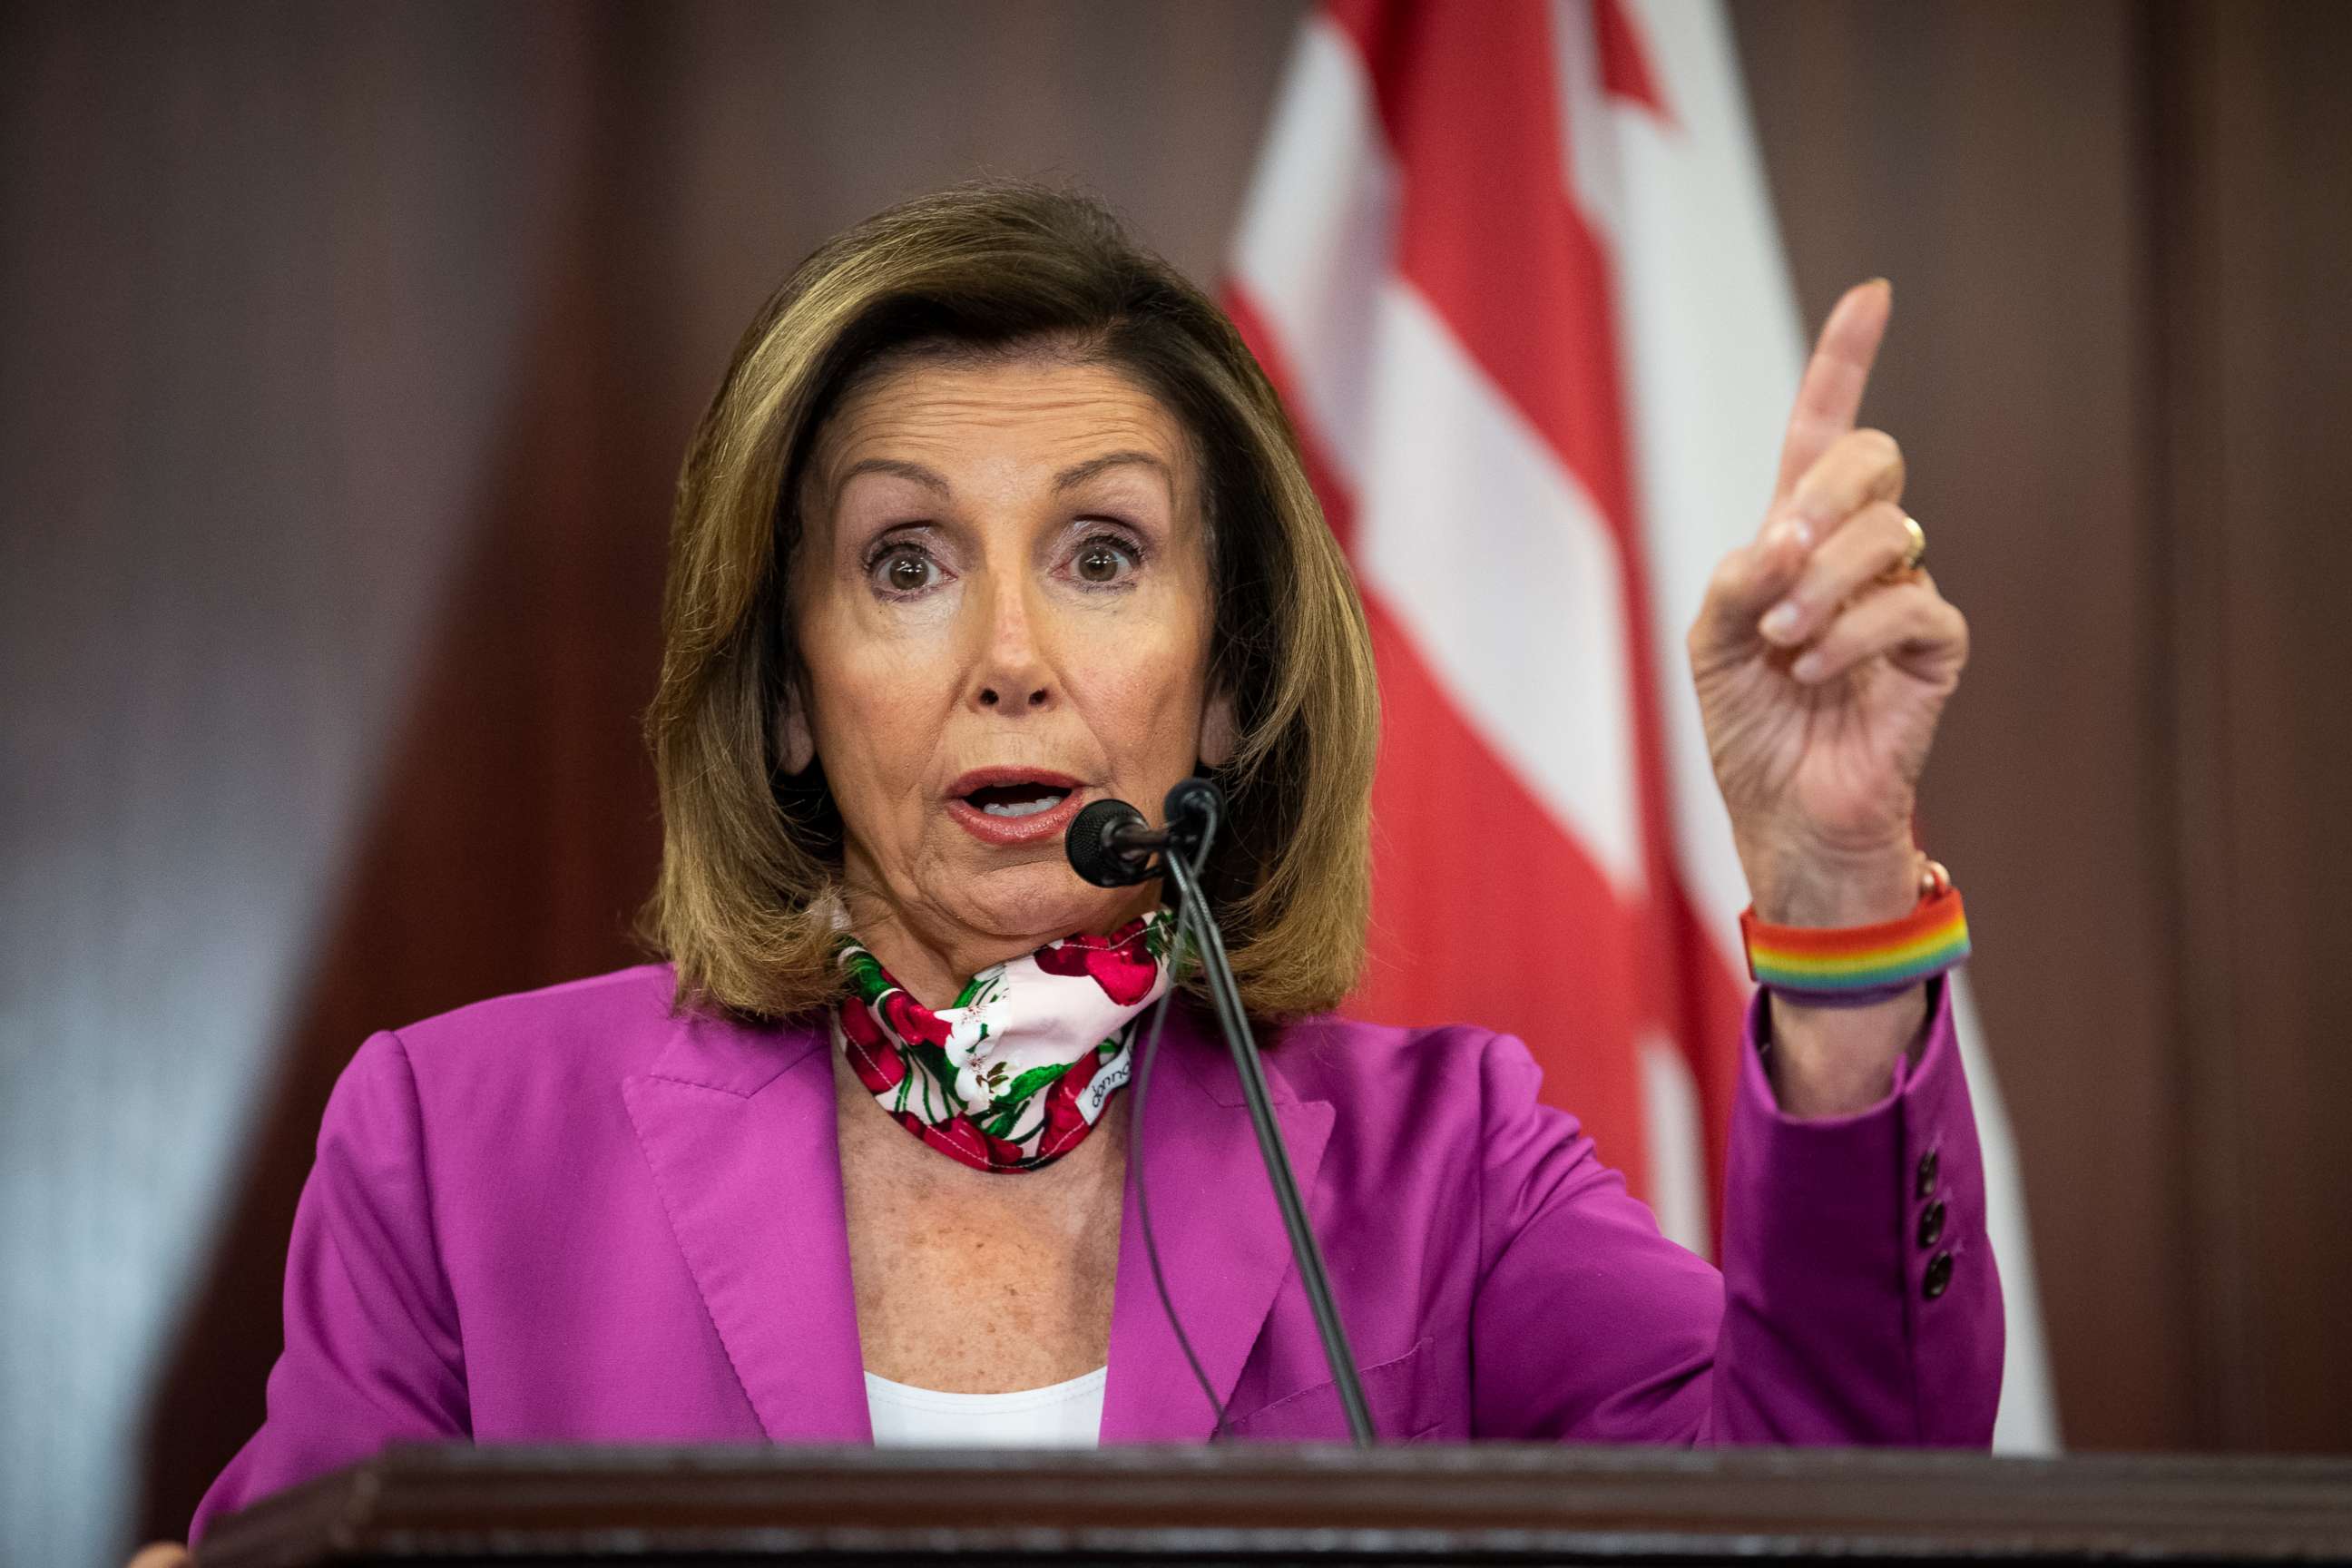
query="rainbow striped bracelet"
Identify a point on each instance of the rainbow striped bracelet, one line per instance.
(1855, 966)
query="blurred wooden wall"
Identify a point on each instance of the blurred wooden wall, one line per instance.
(2119, 238)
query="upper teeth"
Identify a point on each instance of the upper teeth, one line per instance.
(1026, 808)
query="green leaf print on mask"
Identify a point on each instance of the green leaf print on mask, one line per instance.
(1032, 1082)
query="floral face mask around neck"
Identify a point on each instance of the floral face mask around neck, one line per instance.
(1017, 1072)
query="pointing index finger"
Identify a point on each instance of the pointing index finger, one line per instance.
(1830, 398)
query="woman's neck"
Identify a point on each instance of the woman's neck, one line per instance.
(934, 969)
(934, 959)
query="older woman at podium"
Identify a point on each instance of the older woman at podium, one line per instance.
(992, 517)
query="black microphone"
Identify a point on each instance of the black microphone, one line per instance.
(1111, 846)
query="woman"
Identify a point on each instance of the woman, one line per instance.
(993, 515)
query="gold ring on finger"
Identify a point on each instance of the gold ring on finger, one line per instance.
(1915, 550)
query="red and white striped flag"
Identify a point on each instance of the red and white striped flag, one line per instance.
(1512, 265)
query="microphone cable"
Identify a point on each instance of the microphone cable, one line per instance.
(1142, 1196)
(1314, 1278)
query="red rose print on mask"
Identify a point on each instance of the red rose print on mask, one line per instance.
(1064, 1123)
(911, 1021)
(958, 1136)
(857, 1022)
(879, 1064)
(1118, 962)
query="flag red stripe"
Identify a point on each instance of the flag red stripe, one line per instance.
(1470, 104)
(1625, 63)
(1484, 908)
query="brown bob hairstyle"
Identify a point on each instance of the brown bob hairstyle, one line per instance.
(750, 853)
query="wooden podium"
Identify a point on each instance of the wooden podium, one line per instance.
(1501, 1502)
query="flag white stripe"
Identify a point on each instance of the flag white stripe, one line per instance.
(2027, 1419)
(1319, 240)
(1596, 184)
(1675, 1137)
(1500, 567)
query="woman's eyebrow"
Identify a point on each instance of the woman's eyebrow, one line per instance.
(929, 479)
(1079, 473)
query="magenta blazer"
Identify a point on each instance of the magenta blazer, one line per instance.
(572, 1217)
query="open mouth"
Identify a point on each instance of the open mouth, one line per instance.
(1016, 800)
(1014, 807)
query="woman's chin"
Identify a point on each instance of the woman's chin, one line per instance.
(1037, 903)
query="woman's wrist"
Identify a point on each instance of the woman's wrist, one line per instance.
(1834, 890)
(1835, 1054)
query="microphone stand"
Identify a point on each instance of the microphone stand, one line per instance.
(1192, 908)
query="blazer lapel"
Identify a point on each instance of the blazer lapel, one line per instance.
(1222, 1245)
(738, 1125)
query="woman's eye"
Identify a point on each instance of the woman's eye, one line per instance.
(1103, 560)
(903, 569)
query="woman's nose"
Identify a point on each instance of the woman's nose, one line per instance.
(1012, 674)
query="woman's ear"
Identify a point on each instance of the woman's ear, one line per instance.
(795, 745)
(1217, 733)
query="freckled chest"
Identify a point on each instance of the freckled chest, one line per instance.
(971, 1281)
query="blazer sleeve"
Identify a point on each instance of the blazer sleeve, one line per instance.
(1858, 1302)
(372, 1354)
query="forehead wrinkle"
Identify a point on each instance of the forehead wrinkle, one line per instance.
(899, 407)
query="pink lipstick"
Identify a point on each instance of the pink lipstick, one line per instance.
(1014, 805)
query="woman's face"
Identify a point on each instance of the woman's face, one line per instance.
(1002, 603)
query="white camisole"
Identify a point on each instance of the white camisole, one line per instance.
(1061, 1416)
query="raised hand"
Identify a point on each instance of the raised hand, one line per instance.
(1821, 666)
